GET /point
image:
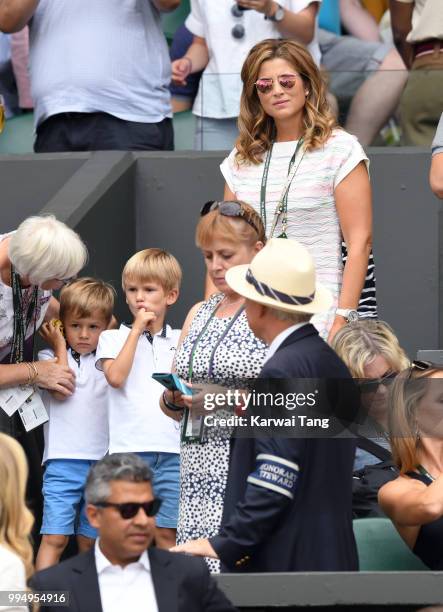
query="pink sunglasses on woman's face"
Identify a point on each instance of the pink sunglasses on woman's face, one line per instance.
(265, 85)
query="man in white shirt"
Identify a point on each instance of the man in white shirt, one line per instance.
(122, 572)
(100, 72)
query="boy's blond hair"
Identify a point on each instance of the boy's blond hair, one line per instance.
(153, 265)
(84, 296)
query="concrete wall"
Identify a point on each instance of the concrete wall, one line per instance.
(121, 202)
(169, 192)
(28, 182)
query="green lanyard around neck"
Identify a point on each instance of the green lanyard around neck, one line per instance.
(282, 204)
(217, 343)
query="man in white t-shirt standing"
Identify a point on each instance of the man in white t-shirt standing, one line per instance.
(224, 33)
(100, 72)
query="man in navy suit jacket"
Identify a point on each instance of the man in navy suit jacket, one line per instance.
(288, 499)
(121, 572)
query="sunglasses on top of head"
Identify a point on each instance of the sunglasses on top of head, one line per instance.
(228, 209)
(130, 509)
(265, 84)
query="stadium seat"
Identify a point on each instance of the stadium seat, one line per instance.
(18, 135)
(381, 549)
(171, 21)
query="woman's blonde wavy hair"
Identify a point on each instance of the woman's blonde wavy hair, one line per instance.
(256, 128)
(407, 391)
(360, 342)
(16, 519)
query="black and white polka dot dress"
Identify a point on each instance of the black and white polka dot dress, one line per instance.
(204, 465)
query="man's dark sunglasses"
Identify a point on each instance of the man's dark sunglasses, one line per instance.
(228, 209)
(130, 509)
(372, 384)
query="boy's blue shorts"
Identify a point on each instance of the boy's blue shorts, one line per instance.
(166, 485)
(64, 503)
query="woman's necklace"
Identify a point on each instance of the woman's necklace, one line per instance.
(225, 305)
(282, 204)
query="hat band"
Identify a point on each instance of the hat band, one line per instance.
(266, 290)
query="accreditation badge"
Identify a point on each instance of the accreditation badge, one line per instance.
(192, 427)
(12, 398)
(33, 412)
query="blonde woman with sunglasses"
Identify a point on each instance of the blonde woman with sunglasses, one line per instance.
(15, 520)
(308, 179)
(373, 354)
(414, 500)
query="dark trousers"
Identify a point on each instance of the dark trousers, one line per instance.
(101, 132)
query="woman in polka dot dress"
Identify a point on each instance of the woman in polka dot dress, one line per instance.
(218, 346)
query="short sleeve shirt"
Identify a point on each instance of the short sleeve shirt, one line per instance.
(312, 217)
(136, 421)
(78, 425)
(105, 56)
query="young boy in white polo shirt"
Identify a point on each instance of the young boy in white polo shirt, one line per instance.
(76, 435)
(129, 356)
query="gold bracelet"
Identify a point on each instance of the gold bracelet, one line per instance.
(30, 373)
(35, 372)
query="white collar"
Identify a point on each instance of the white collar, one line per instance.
(168, 330)
(280, 338)
(102, 562)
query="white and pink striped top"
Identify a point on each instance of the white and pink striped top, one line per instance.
(312, 214)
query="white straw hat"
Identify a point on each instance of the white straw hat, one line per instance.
(281, 276)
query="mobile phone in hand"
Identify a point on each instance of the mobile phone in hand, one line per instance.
(172, 382)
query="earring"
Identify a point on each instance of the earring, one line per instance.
(306, 93)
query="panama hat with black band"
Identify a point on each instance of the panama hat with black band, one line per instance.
(281, 276)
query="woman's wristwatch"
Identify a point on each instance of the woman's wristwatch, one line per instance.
(169, 405)
(349, 314)
(278, 15)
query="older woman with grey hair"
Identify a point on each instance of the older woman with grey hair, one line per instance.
(42, 255)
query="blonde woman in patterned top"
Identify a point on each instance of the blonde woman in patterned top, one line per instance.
(216, 345)
(307, 178)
